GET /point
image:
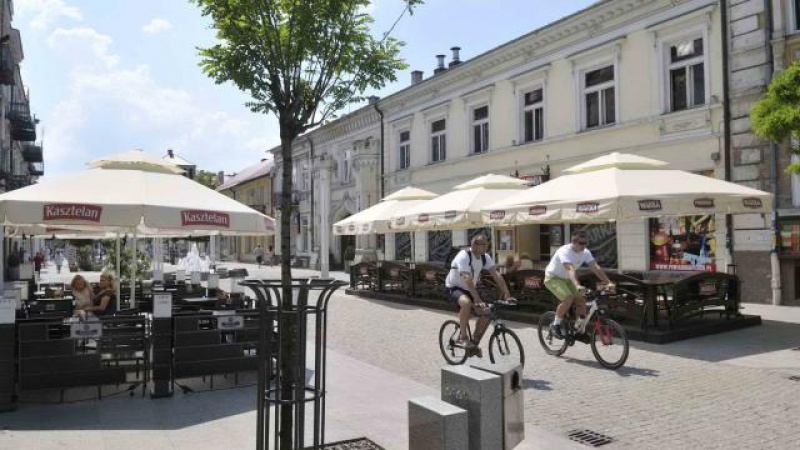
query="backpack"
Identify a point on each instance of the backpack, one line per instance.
(455, 251)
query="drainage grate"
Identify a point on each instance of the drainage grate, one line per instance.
(795, 377)
(589, 437)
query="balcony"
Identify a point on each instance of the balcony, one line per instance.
(36, 169)
(7, 66)
(32, 153)
(14, 182)
(23, 127)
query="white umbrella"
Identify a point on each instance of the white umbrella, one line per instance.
(461, 208)
(607, 189)
(376, 218)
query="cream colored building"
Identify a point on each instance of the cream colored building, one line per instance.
(641, 77)
(252, 187)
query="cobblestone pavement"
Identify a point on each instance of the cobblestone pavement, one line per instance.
(675, 396)
(728, 391)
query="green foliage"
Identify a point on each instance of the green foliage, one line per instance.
(126, 261)
(776, 116)
(85, 254)
(349, 253)
(207, 179)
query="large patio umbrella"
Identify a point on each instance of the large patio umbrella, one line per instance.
(625, 187)
(130, 193)
(461, 208)
(376, 218)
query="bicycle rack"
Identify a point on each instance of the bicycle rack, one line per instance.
(283, 332)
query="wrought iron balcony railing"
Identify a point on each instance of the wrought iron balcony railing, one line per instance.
(36, 169)
(23, 127)
(32, 153)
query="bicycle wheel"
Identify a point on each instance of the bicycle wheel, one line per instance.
(505, 346)
(551, 344)
(609, 344)
(448, 335)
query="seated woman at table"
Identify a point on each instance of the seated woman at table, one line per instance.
(104, 300)
(81, 291)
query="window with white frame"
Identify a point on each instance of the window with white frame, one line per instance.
(305, 180)
(345, 165)
(480, 129)
(405, 150)
(599, 97)
(438, 140)
(305, 231)
(533, 115)
(686, 74)
(796, 14)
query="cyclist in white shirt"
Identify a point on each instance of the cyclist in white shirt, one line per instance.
(461, 282)
(561, 280)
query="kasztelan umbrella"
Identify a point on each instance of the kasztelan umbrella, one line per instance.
(376, 218)
(114, 197)
(625, 187)
(461, 208)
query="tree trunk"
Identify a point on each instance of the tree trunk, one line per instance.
(288, 327)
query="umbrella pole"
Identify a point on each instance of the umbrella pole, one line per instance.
(134, 273)
(119, 275)
(2, 261)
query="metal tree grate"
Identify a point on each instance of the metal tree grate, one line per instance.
(589, 437)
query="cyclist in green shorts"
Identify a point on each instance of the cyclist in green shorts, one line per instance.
(560, 278)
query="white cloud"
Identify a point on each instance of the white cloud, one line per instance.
(44, 13)
(119, 105)
(73, 38)
(156, 26)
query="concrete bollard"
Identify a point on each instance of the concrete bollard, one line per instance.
(513, 400)
(436, 425)
(481, 395)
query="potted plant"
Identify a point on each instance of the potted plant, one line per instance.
(348, 257)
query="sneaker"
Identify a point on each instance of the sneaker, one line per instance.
(555, 330)
(477, 351)
(465, 343)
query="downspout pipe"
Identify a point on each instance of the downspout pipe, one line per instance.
(311, 196)
(775, 263)
(726, 111)
(383, 150)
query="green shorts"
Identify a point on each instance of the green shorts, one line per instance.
(561, 288)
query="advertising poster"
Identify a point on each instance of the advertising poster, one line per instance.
(790, 239)
(601, 239)
(402, 246)
(683, 243)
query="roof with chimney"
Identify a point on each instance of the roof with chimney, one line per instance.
(177, 160)
(249, 173)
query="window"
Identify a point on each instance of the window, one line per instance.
(345, 166)
(480, 130)
(305, 181)
(405, 150)
(533, 115)
(686, 76)
(438, 141)
(796, 7)
(599, 103)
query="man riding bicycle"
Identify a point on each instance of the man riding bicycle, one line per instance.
(561, 279)
(461, 282)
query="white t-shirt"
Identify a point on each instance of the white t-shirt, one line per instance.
(566, 255)
(460, 265)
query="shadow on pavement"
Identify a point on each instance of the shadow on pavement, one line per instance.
(624, 371)
(770, 336)
(539, 385)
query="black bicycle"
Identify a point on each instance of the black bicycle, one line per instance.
(504, 344)
(607, 338)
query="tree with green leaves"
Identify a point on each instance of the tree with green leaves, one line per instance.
(303, 61)
(207, 179)
(776, 116)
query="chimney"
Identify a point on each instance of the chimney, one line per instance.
(416, 77)
(456, 61)
(221, 177)
(373, 99)
(169, 152)
(439, 64)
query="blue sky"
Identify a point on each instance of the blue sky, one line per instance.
(106, 76)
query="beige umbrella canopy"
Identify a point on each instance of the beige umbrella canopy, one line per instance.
(136, 160)
(376, 219)
(461, 208)
(625, 187)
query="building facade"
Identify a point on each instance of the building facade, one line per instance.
(252, 187)
(21, 158)
(647, 77)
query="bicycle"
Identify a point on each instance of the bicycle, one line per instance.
(503, 343)
(604, 331)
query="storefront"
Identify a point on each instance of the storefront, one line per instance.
(789, 254)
